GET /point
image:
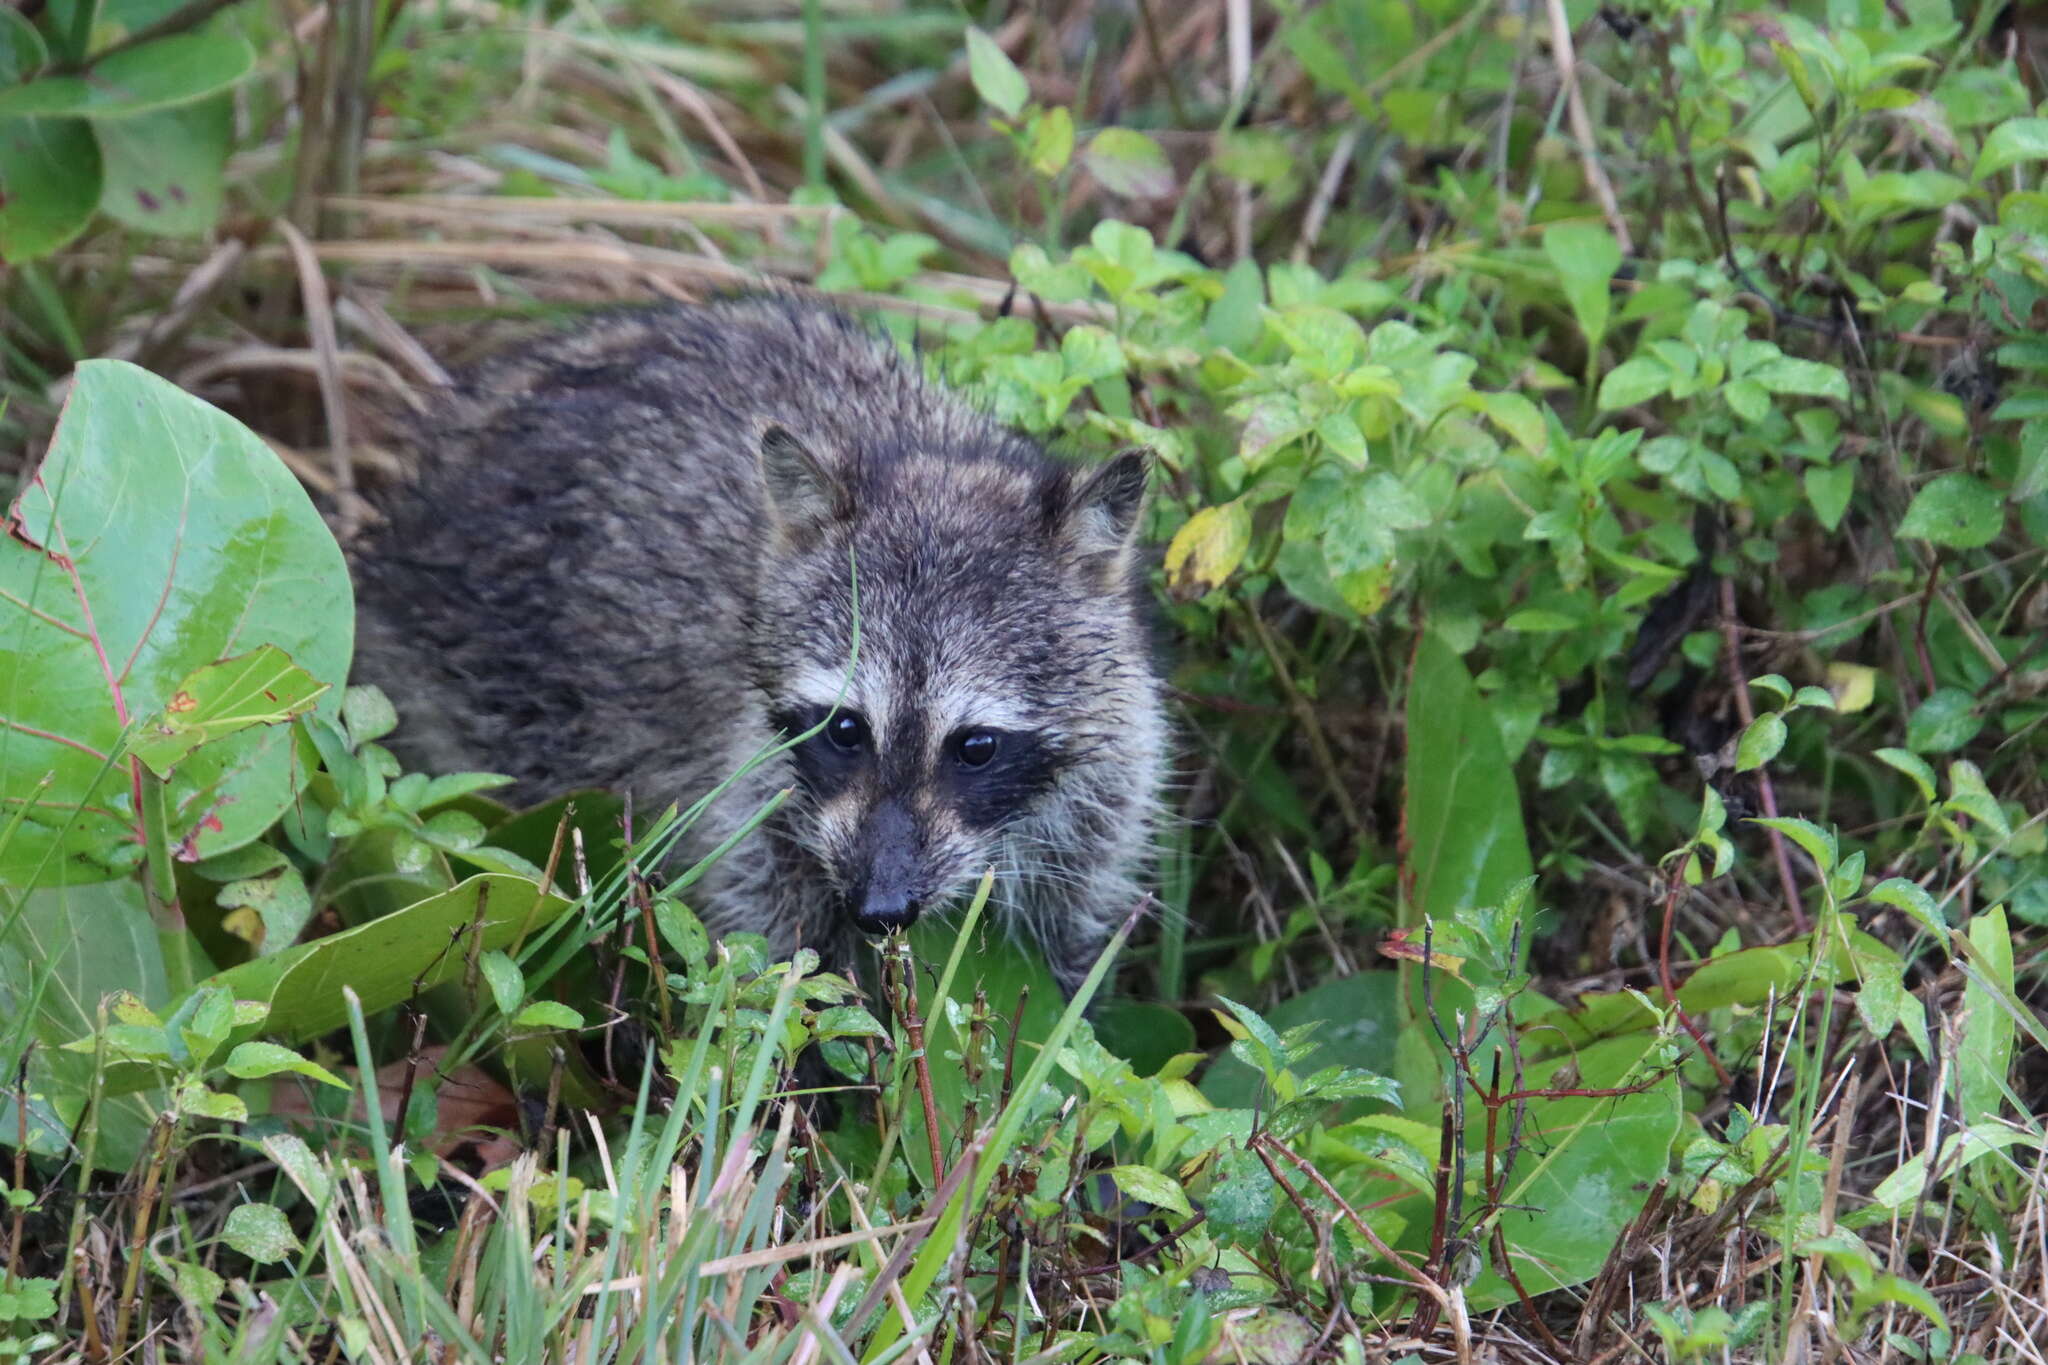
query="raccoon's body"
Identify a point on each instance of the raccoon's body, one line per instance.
(632, 558)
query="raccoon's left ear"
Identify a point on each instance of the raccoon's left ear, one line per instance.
(802, 492)
(1100, 521)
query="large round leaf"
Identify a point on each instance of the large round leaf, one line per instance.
(163, 170)
(49, 184)
(157, 75)
(159, 536)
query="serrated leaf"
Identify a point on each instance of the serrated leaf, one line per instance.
(2009, 143)
(1129, 164)
(996, 78)
(1946, 720)
(1912, 898)
(262, 687)
(259, 1231)
(1957, 510)
(1913, 766)
(1154, 1187)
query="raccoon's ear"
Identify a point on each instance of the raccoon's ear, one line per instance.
(1100, 523)
(802, 492)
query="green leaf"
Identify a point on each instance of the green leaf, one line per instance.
(259, 1231)
(1957, 510)
(1207, 549)
(1761, 742)
(1634, 381)
(262, 687)
(163, 170)
(1586, 257)
(253, 1061)
(1828, 488)
(1945, 721)
(157, 75)
(1462, 809)
(385, 960)
(1154, 1187)
(159, 536)
(1912, 898)
(507, 982)
(22, 50)
(50, 177)
(1242, 1197)
(1052, 141)
(67, 950)
(1818, 843)
(2011, 142)
(1564, 1211)
(1234, 320)
(1129, 164)
(1913, 766)
(1788, 374)
(996, 78)
(1144, 1033)
(1359, 1017)
(548, 1014)
(1984, 1056)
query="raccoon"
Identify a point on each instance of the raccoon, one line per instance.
(635, 554)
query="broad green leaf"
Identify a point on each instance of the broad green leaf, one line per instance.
(1144, 1033)
(1207, 549)
(49, 184)
(1913, 766)
(262, 687)
(1234, 322)
(163, 169)
(1462, 809)
(158, 537)
(507, 982)
(2030, 479)
(996, 78)
(259, 1231)
(383, 961)
(1587, 1169)
(1586, 257)
(1945, 721)
(1129, 164)
(1984, 1056)
(157, 75)
(69, 949)
(1241, 1198)
(1359, 1015)
(2011, 142)
(1957, 510)
(1788, 374)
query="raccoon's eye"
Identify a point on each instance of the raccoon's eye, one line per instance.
(846, 731)
(975, 748)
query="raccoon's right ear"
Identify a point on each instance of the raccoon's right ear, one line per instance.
(802, 493)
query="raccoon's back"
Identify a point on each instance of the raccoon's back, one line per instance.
(561, 591)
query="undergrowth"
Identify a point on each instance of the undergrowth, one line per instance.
(1603, 528)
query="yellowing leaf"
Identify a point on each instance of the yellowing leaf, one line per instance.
(1208, 549)
(1853, 686)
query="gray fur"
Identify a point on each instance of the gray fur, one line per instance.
(628, 549)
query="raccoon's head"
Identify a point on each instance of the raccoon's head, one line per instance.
(956, 627)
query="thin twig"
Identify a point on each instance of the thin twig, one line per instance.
(1739, 681)
(1582, 125)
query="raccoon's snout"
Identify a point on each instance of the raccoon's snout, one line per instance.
(885, 896)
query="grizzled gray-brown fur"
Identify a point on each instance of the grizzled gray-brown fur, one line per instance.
(631, 559)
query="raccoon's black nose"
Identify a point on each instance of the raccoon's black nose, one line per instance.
(883, 909)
